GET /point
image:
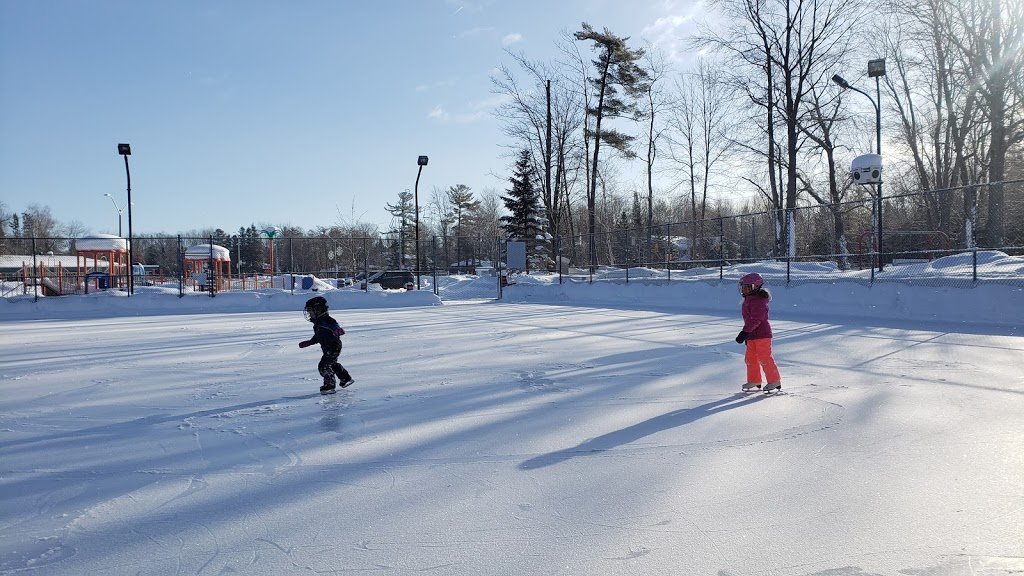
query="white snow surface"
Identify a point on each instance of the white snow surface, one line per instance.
(205, 251)
(593, 429)
(101, 242)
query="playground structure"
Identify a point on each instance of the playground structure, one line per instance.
(100, 263)
(111, 251)
(208, 267)
(53, 275)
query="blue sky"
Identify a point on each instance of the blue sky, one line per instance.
(301, 113)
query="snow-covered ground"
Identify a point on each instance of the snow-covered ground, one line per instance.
(566, 429)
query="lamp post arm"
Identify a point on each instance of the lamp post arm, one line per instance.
(873, 103)
(878, 116)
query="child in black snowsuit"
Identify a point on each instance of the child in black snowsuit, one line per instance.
(326, 332)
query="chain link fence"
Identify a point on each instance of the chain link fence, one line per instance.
(942, 238)
(64, 266)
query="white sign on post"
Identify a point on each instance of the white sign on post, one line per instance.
(515, 255)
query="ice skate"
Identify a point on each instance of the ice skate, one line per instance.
(773, 386)
(345, 382)
(751, 386)
(328, 387)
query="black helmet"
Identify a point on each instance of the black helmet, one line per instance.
(315, 308)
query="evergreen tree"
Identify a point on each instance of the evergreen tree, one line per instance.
(5, 219)
(253, 251)
(404, 213)
(618, 82)
(462, 204)
(524, 222)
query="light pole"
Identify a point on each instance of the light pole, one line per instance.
(126, 151)
(421, 161)
(119, 211)
(876, 69)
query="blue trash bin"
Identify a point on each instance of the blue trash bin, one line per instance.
(307, 282)
(102, 280)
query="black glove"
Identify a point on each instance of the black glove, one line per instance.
(741, 337)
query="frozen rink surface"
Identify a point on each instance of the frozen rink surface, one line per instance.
(503, 438)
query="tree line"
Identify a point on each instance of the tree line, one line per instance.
(756, 121)
(614, 133)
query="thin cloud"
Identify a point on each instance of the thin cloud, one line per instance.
(668, 32)
(474, 111)
(434, 85)
(475, 32)
(510, 39)
(439, 113)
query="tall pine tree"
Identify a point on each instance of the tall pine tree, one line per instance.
(619, 80)
(524, 222)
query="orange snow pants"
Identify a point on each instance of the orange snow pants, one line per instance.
(759, 355)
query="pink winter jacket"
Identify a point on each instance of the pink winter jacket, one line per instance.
(755, 315)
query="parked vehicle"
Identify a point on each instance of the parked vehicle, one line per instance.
(390, 279)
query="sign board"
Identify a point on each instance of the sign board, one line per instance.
(515, 255)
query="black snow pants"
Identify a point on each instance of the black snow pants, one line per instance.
(329, 366)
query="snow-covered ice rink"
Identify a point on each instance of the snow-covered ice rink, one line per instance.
(509, 438)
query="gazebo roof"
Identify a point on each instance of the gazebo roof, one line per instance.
(101, 243)
(202, 252)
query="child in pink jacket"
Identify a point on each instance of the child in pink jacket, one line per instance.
(757, 334)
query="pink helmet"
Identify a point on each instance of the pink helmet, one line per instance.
(754, 279)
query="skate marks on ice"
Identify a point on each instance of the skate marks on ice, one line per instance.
(145, 466)
(715, 423)
(332, 417)
(954, 566)
(554, 377)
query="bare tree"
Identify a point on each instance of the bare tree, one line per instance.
(656, 102)
(989, 37)
(957, 86)
(5, 219)
(820, 127)
(701, 138)
(789, 45)
(544, 115)
(936, 106)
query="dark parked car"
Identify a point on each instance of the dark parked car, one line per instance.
(391, 279)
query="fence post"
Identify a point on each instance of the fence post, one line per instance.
(35, 272)
(668, 250)
(179, 261)
(212, 278)
(627, 254)
(497, 266)
(971, 220)
(366, 268)
(433, 251)
(721, 248)
(558, 257)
